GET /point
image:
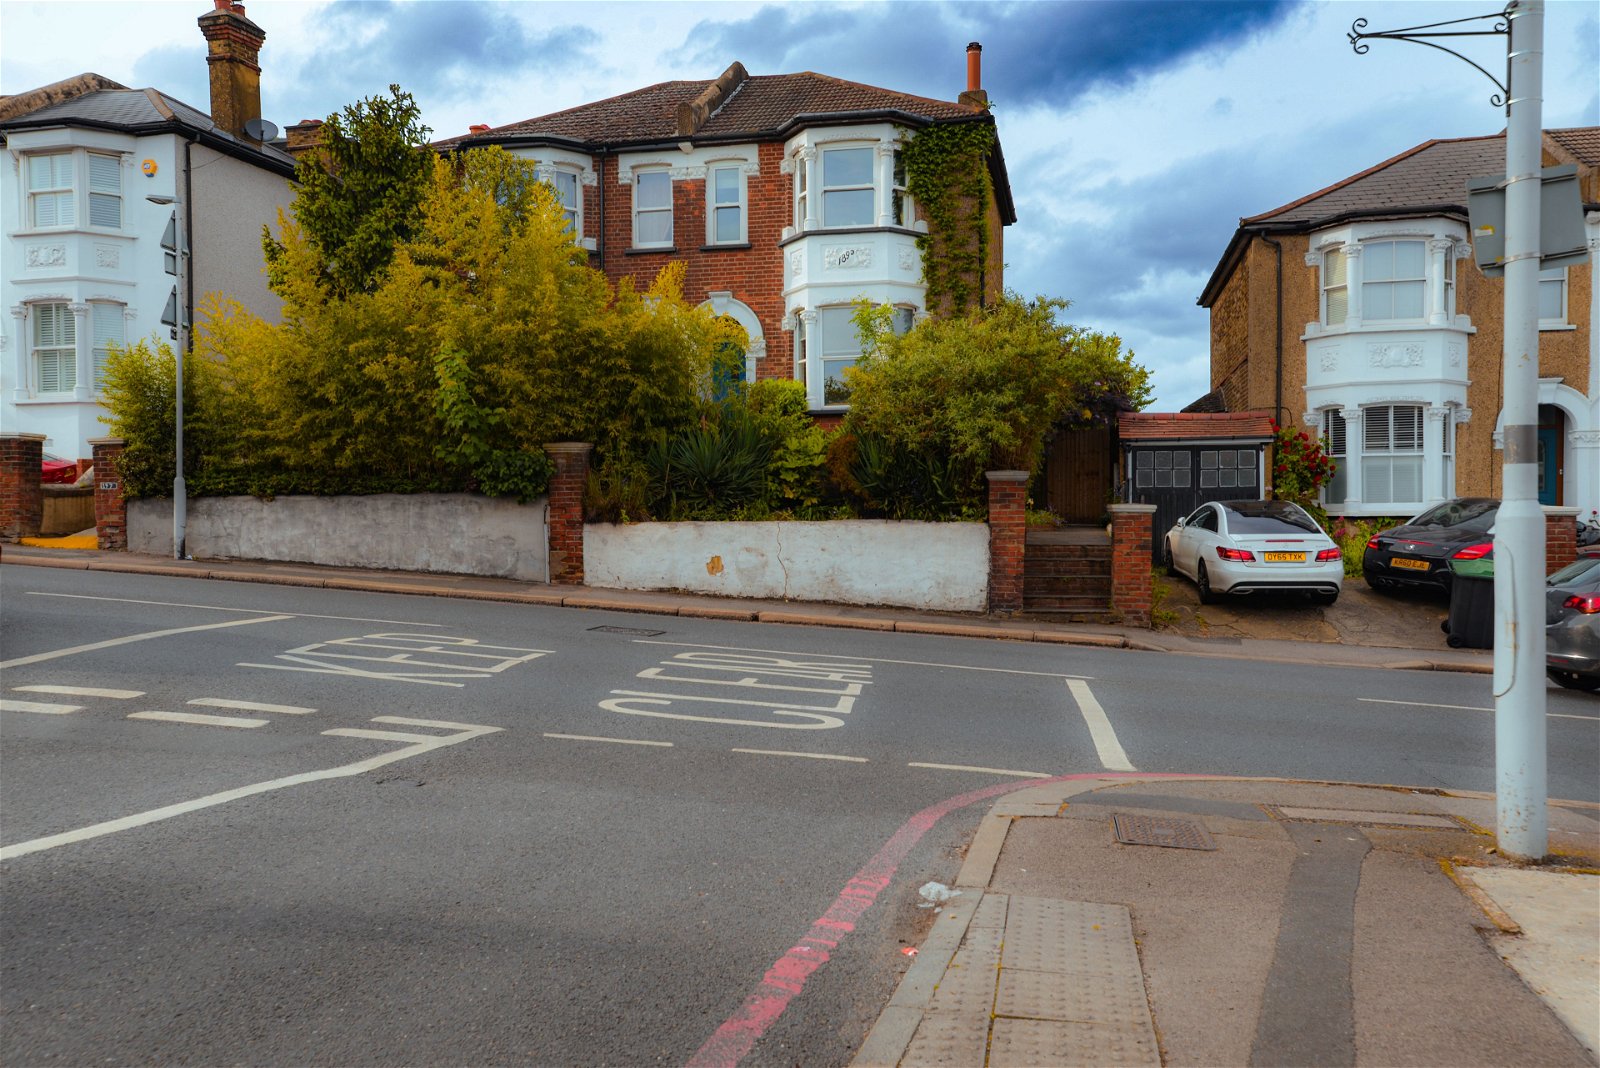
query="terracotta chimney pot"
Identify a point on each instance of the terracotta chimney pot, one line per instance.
(479, 127)
(974, 67)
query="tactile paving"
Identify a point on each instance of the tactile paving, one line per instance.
(1350, 815)
(1068, 936)
(1029, 1043)
(957, 1040)
(968, 984)
(991, 912)
(1116, 1000)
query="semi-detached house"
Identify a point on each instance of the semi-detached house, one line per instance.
(784, 195)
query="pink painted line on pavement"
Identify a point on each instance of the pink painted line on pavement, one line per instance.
(787, 976)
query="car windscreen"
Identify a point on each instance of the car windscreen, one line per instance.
(1268, 518)
(1465, 516)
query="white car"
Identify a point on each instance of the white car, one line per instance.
(1234, 547)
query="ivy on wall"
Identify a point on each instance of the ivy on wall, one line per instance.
(947, 174)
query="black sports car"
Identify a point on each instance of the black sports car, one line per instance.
(1419, 552)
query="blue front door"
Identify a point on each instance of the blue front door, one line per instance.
(1549, 465)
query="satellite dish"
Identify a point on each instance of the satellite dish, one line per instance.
(260, 130)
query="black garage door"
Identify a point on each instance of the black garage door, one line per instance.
(1177, 479)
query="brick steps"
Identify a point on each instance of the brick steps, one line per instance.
(1067, 579)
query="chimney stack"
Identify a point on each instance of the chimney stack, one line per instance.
(478, 128)
(234, 44)
(975, 96)
(302, 137)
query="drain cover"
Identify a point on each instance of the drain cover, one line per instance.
(637, 632)
(1159, 831)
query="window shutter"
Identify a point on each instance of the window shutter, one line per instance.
(1375, 430)
(105, 174)
(1333, 428)
(1407, 429)
(107, 323)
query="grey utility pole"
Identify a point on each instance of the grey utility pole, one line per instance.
(1521, 790)
(180, 333)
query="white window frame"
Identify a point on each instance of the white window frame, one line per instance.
(107, 326)
(63, 352)
(1335, 435)
(639, 177)
(104, 190)
(739, 204)
(870, 185)
(1332, 284)
(57, 195)
(1557, 278)
(1369, 284)
(573, 212)
(800, 360)
(902, 212)
(812, 360)
(839, 357)
(1448, 451)
(1398, 446)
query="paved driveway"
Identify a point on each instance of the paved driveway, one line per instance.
(1404, 620)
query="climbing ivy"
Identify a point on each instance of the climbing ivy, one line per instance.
(947, 174)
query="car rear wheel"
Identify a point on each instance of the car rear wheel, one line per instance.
(1203, 582)
(1573, 681)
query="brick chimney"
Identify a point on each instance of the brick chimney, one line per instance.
(234, 44)
(302, 137)
(975, 96)
(479, 127)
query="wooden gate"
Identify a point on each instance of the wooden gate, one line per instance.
(1078, 471)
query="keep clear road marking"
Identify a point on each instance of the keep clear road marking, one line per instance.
(196, 718)
(1112, 758)
(8, 705)
(1465, 708)
(616, 741)
(250, 706)
(465, 732)
(868, 659)
(225, 608)
(146, 636)
(985, 771)
(808, 756)
(81, 691)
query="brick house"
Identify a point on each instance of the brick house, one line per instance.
(783, 194)
(1356, 313)
(88, 258)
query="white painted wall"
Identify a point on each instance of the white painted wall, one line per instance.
(942, 566)
(452, 533)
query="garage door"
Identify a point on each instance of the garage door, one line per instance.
(1177, 479)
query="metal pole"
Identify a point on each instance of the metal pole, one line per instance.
(1519, 677)
(180, 491)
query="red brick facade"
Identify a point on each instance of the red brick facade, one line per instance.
(110, 510)
(1131, 595)
(21, 496)
(1560, 538)
(566, 511)
(1008, 536)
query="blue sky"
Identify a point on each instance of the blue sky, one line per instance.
(1137, 133)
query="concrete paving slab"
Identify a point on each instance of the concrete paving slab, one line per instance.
(953, 1039)
(1031, 1043)
(1351, 815)
(1114, 1001)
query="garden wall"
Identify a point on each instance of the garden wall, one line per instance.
(453, 533)
(941, 566)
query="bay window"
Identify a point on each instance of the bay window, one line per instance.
(1393, 280)
(565, 184)
(1391, 454)
(1337, 489)
(50, 195)
(847, 187)
(840, 348)
(105, 190)
(1335, 287)
(652, 209)
(55, 347)
(107, 322)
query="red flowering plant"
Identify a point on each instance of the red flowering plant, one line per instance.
(1300, 468)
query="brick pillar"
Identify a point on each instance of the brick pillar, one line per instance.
(1008, 539)
(110, 510)
(1130, 562)
(1560, 537)
(566, 510)
(21, 495)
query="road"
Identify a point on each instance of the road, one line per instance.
(273, 825)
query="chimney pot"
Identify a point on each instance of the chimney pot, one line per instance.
(479, 127)
(222, 5)
(974, 67)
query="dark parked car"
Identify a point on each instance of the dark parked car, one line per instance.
(1418, 553)
(1572, 626)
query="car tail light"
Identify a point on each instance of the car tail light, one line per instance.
(1238, 556)
(1372, 543)
(1586, 603)
(1329, 554)
(1474, 552)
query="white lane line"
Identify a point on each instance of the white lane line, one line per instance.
(868, 659)
(382, 736)
(360, 767)
(808, 756)
(1112, 757)
(146, 636)
(8, 705)
(985, 771)
(80, 691)
(1465, 708)
(617, 741)
(225, 608)
(196, 718)
(250, 706)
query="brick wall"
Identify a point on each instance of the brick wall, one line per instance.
(1008, 536)
(110, 510)
(1560, 537)
(1131, 594)
(566, 510)
(21, 496)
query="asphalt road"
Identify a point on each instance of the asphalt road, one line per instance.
(416, 830)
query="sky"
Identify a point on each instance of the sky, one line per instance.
(1136, 133)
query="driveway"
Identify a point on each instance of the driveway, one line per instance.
(1404, 620)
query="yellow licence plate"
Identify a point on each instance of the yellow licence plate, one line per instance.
(1409, 565)
(1284, 558)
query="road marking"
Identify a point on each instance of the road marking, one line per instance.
(404, 649)
(8, 705)
(985, 771)
(360, 767)
(196, 718)
(146, 636)
(618, 741)
(1112, 757)
(382, 736)
(250, 706)
(808, 756)
(224, 608)
(1464, 708)
(869, 659)
(621, 700)
(80, 691)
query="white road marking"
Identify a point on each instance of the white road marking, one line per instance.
(360, 767)
(146, 636)
(808, 756)
(8, 705)
(404, 650)
(80, 691)
(618, 741)
(250, 706)
(382, 736)
(1465, 708)
(1112, 757)
(985, 771)
(224, 608)
(196, 718)
(869, 659)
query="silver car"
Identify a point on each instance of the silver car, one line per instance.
(1572, 625)
(1236, 547)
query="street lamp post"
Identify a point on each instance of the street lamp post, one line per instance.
(180, 333)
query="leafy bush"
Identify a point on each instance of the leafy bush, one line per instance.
(1300, 468)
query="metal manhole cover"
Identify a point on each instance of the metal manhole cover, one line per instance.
(638, 632)
(1160, 831)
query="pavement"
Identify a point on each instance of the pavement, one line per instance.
(1166, 919)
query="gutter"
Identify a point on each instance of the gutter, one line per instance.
(210, 138)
